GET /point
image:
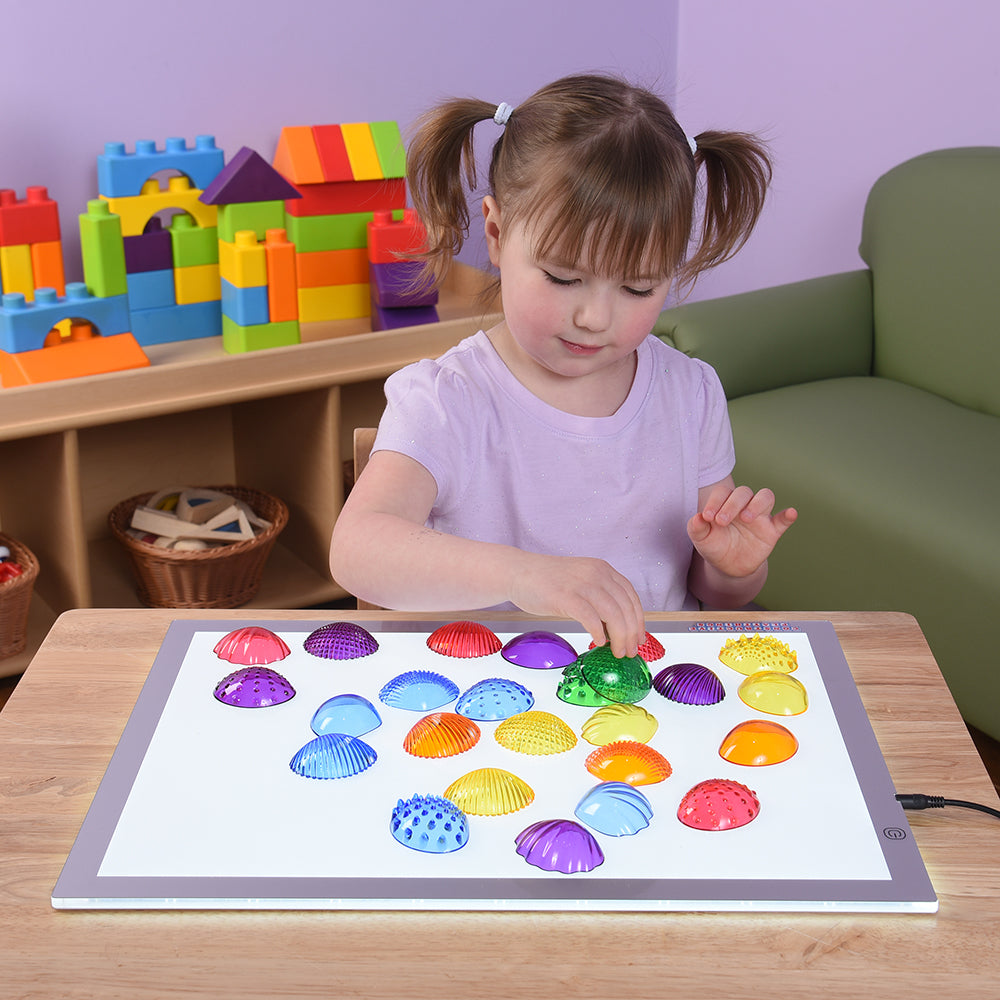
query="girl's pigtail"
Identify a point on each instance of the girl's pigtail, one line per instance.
(441, 170)
(737, 173)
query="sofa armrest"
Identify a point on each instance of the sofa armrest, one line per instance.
(800, 332)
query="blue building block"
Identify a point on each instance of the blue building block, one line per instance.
(151, 290)
(245, 306)
(184, 322)
(121, 174)
(24, 325)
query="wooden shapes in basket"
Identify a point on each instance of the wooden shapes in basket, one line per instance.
(195, 515)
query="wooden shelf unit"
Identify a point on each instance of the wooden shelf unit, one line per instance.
(279, 420)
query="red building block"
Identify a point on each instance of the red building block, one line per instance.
(332, 153)
(390, 241)
(33, 220)
(345, 197)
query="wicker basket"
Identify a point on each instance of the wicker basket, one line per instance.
(224, 576)
(15, 597)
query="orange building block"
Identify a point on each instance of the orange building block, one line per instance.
(332, 267)
(93, 356)
(296, 157)
(282, 287)
(47, 265)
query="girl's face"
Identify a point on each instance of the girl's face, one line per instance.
(564, 318)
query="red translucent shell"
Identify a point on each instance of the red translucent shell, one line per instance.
(718, 804)
(251, 645)
(464, 639)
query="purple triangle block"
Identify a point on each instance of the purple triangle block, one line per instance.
(247, 177)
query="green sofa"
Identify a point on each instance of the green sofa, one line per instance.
(870, 400)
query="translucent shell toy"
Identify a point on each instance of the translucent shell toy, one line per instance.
(537, 733)
(574, 689)
(539, 651)
(559, 845)
(254, 687)
(617, 678)
(613, 723)
(443, 734)
(718, 804)
(418, 691)
(758, 742)
(340, 641)
(615, 808)
(633, 763)
(489, 791)
(430, 824)
(345, 713)
(649, 649)
(774, 693)
(748, 654)
(464, 639)
(251, 645)
(333, 755)
(689, 684)
(494, 698)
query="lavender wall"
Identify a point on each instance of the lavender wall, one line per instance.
(117, 70)
(844, 91)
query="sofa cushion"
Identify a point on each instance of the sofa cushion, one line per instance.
(897, 491)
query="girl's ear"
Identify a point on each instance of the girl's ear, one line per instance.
(491, 226)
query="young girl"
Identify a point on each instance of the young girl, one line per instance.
(567, 462)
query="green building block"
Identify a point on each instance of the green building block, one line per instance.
(389, 148)
(238, 339)
(103, 251)
(193, 245)
(349, 231)
(259, 216)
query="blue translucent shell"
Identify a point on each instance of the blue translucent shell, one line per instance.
(346, 713)
(418, 691)
(615, 808)
(494, 698)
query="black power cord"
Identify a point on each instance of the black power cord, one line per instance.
(937, 802)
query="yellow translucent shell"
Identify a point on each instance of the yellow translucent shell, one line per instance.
(489, 791)
(443, 734)
(749, 654)
(774, 693)
(757, 743)
(619, 722)
(537, 733)
(626, 760)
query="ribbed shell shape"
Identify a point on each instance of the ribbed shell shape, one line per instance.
(628, 761)
(615, 808)
(613, 723)
(333, 755)
(749, 654)
(345, 713)
(617, 678)
(559, 845)
(536, 733)
(649, 649)
(490, 791)
(494, 698)
(539, 651)
(464, 639)
(430, 824)
(418, 691)
(689, 684)
(574, 689)
(340, 641)
(251, 645)
(254, 687)
(443, 734)
(718, 804)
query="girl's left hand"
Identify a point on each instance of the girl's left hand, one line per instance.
(735, 530)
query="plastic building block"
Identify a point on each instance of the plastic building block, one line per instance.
(151, 289)
(245, 306)
(333, 302)
(331, 148)
(332, 267)
(238, 339)
(259, 216)
(103, 250)
(297, 158)
(336, 198)
(135, 211)
(190, 321)
(33, 220)
(248, 177)
(394, 319)
(91, 356)
(389, 148)
(149, 251)
(282, 287)
(24, 325)
(122, 175)
(329, 232)
(401, 284)
(361, 151)
(199, 283)
(243, 262)
(192, 244)
(16, 270)
(47, 266)
(390, 239)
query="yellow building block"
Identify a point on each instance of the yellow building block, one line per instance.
(334, 302)
(361, 151)
(198, 283)
(137, 210)
(243, 262)
(16, 270)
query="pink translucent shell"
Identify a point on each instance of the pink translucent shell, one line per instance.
(559, 845)
(251, 645)
(718, 804)
(464, 639)
(649, 649)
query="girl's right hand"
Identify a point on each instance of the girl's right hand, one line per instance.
(589, 591)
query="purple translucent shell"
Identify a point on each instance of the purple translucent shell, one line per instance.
(254, 687)
(539, 650)
(689, 684)
(340, 641)
(559, 845)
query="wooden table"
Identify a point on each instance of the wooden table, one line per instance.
(63, 722)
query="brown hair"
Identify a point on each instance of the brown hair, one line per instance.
(607, 169)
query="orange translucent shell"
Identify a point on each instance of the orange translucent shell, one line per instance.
(489, 791)
(443, 734)
(748, 654)
(757, 743)
(538, 733)
(626, 760)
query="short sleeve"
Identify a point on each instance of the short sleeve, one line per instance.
(717, 454)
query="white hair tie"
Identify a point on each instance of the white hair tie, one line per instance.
(502, 114)
(692, 143)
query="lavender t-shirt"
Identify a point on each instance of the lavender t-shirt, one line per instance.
(510, 468)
